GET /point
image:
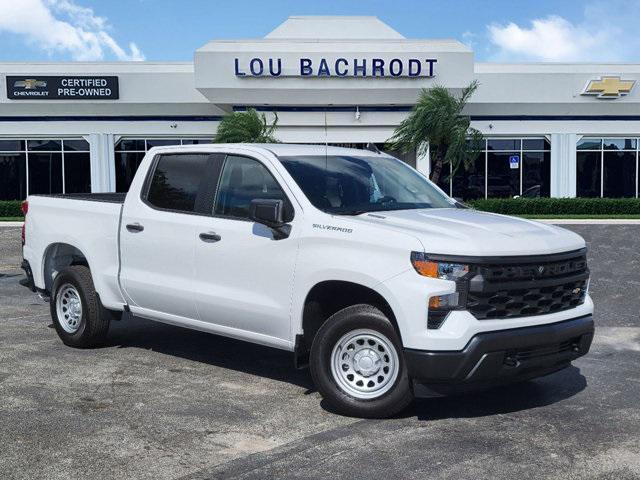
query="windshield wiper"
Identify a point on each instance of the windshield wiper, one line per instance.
(350, 212)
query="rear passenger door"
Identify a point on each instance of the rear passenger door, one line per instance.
(158, 231)
(243, 276)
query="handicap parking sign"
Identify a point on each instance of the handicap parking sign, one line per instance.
(514, 161)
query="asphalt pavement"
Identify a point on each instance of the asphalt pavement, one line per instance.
(161, 402)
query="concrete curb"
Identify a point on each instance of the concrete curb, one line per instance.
(11, 224)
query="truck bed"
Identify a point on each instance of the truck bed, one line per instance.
(91, 197)
(86, 222)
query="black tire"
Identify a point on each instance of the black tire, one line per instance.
(94, 322)
(352, 318)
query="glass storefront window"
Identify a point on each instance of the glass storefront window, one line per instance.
(502, 180)
(46, 145)
(619, 174)
(590, 144)
(77, 172)
(539, 144)
(529, 176)
(536, 174)
(45, 173)
(504, 144)
(13, 176)
(162, 142)
(76, 145)
(588, 174)
(619, 144)
(11, 145)
(468, 184)
(607, 167)
(127, 164)
(196, 141)
(43, 166)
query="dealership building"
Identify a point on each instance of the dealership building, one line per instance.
(559, 130)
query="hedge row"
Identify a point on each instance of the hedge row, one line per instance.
(558, 206)
(10, 208)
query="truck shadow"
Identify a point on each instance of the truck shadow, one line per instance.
(511, 398)
(277, 365)
(210, 349)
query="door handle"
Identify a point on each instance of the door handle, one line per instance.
(210, 237)
(135, 227)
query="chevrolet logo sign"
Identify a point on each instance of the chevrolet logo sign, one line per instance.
(30, 84)
(609, 87)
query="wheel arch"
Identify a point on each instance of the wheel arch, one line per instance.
(330, 296)
(58, 256)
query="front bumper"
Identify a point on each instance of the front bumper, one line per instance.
(500, 357)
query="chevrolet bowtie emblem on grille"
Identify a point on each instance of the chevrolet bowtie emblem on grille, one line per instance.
(30, 84)
(576, 290)
(609, 87)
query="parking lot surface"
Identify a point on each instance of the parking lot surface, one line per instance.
(161, 402)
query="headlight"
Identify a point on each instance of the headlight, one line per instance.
(441, 270)
(440, 305)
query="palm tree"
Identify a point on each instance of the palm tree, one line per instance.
(246, 127)
(436, 122)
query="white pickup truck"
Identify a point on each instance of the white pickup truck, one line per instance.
(372, 276)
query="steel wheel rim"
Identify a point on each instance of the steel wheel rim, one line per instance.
(364, 364)
(69, 308)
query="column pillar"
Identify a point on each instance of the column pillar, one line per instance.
(563, 164)
(423, 165)
(103, 166)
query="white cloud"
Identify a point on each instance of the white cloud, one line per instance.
(555, 39)
(61, 26)
(470, 39)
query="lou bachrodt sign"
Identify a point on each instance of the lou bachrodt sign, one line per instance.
(339, 67)
(62, 88)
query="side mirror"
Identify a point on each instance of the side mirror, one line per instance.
(270, 213)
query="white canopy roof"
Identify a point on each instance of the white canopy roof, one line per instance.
(335, 28)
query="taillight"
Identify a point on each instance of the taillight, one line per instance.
(25, 209)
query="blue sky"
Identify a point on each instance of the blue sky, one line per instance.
(160, 30)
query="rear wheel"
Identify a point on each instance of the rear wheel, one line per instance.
(356, 363)
(78, 316)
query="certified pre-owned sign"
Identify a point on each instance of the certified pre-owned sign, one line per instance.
(62, 88)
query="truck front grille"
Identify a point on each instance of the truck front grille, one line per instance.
(525, 302)
(507, 290)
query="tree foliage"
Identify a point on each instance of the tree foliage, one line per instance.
(436, 122)
(246, 127)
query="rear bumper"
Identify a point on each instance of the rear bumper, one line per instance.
(500, 357)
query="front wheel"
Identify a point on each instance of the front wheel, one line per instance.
(78, 316)
(357, 365)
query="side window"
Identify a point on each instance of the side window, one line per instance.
(244, 179)
(177, 181)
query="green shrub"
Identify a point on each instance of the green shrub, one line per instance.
(10, 208)
(558, 206)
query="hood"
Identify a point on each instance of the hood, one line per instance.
(453, 231)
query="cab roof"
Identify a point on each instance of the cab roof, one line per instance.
(278, 149)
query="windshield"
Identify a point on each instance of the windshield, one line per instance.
(352, 185)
